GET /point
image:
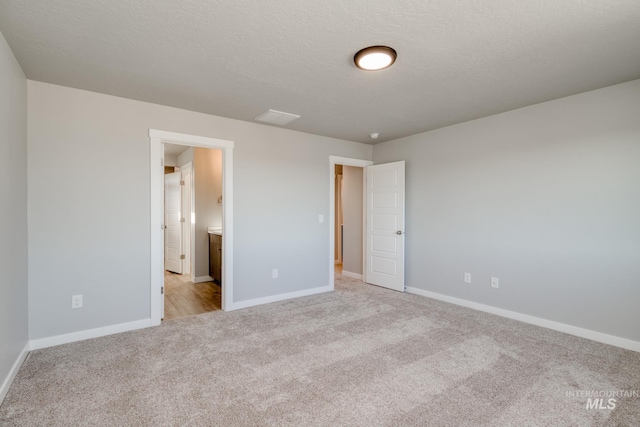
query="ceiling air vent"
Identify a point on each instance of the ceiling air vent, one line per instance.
(277, 117)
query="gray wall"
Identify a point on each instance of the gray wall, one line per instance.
(13, 210)
(89, 225)
(352, 218)
(185, 157)
(207, 172)
(547, 198)
(170, 160)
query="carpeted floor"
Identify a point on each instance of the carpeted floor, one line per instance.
(360, 356)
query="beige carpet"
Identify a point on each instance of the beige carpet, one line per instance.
(360, 356)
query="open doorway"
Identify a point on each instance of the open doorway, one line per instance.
(383, 209)
(347, 218)
(348, 222)
(158, 139)
(192, 222)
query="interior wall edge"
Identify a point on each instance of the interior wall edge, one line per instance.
(532, 320)
(6, 384)
(45, 342)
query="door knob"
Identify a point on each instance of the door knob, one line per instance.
(399, 232)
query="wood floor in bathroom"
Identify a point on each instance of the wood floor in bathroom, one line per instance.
(185, 298)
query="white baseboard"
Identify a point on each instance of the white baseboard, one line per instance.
(352, 275)
(88, 334)
(202, 279)
(549, 324)
(4, 389)
(281, 297)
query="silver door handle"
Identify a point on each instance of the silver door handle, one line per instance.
(399, 233)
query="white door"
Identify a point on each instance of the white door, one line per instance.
(186, 218)
(384, 253)
(172, 224)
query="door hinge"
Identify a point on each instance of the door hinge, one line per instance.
(181, 182)
(162, 290)
(181, 219)
(182, 257)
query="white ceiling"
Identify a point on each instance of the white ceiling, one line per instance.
(457, 60)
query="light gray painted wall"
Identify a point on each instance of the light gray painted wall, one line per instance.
(207, 171)
(170, 160)
(90, 224)
(352, 213)
(547, 198)
(186, 157)
(13, 210)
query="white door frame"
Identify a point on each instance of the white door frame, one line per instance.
(157, 138)
(345, 161)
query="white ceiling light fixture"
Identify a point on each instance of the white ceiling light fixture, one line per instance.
(375, 58)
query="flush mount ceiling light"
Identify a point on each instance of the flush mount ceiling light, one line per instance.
(375, 58)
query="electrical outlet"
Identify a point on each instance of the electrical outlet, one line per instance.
(320, 218)
(467, 277)
(274, 273)
(495, 283)
(76, 301)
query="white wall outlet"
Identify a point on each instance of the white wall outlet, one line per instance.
(76, 301)
(467, 277)
(274, 273)
(495, 283)
(320, 218)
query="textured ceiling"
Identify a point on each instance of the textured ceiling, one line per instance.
(457, 60)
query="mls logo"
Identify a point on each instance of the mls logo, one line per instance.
(600, 404)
